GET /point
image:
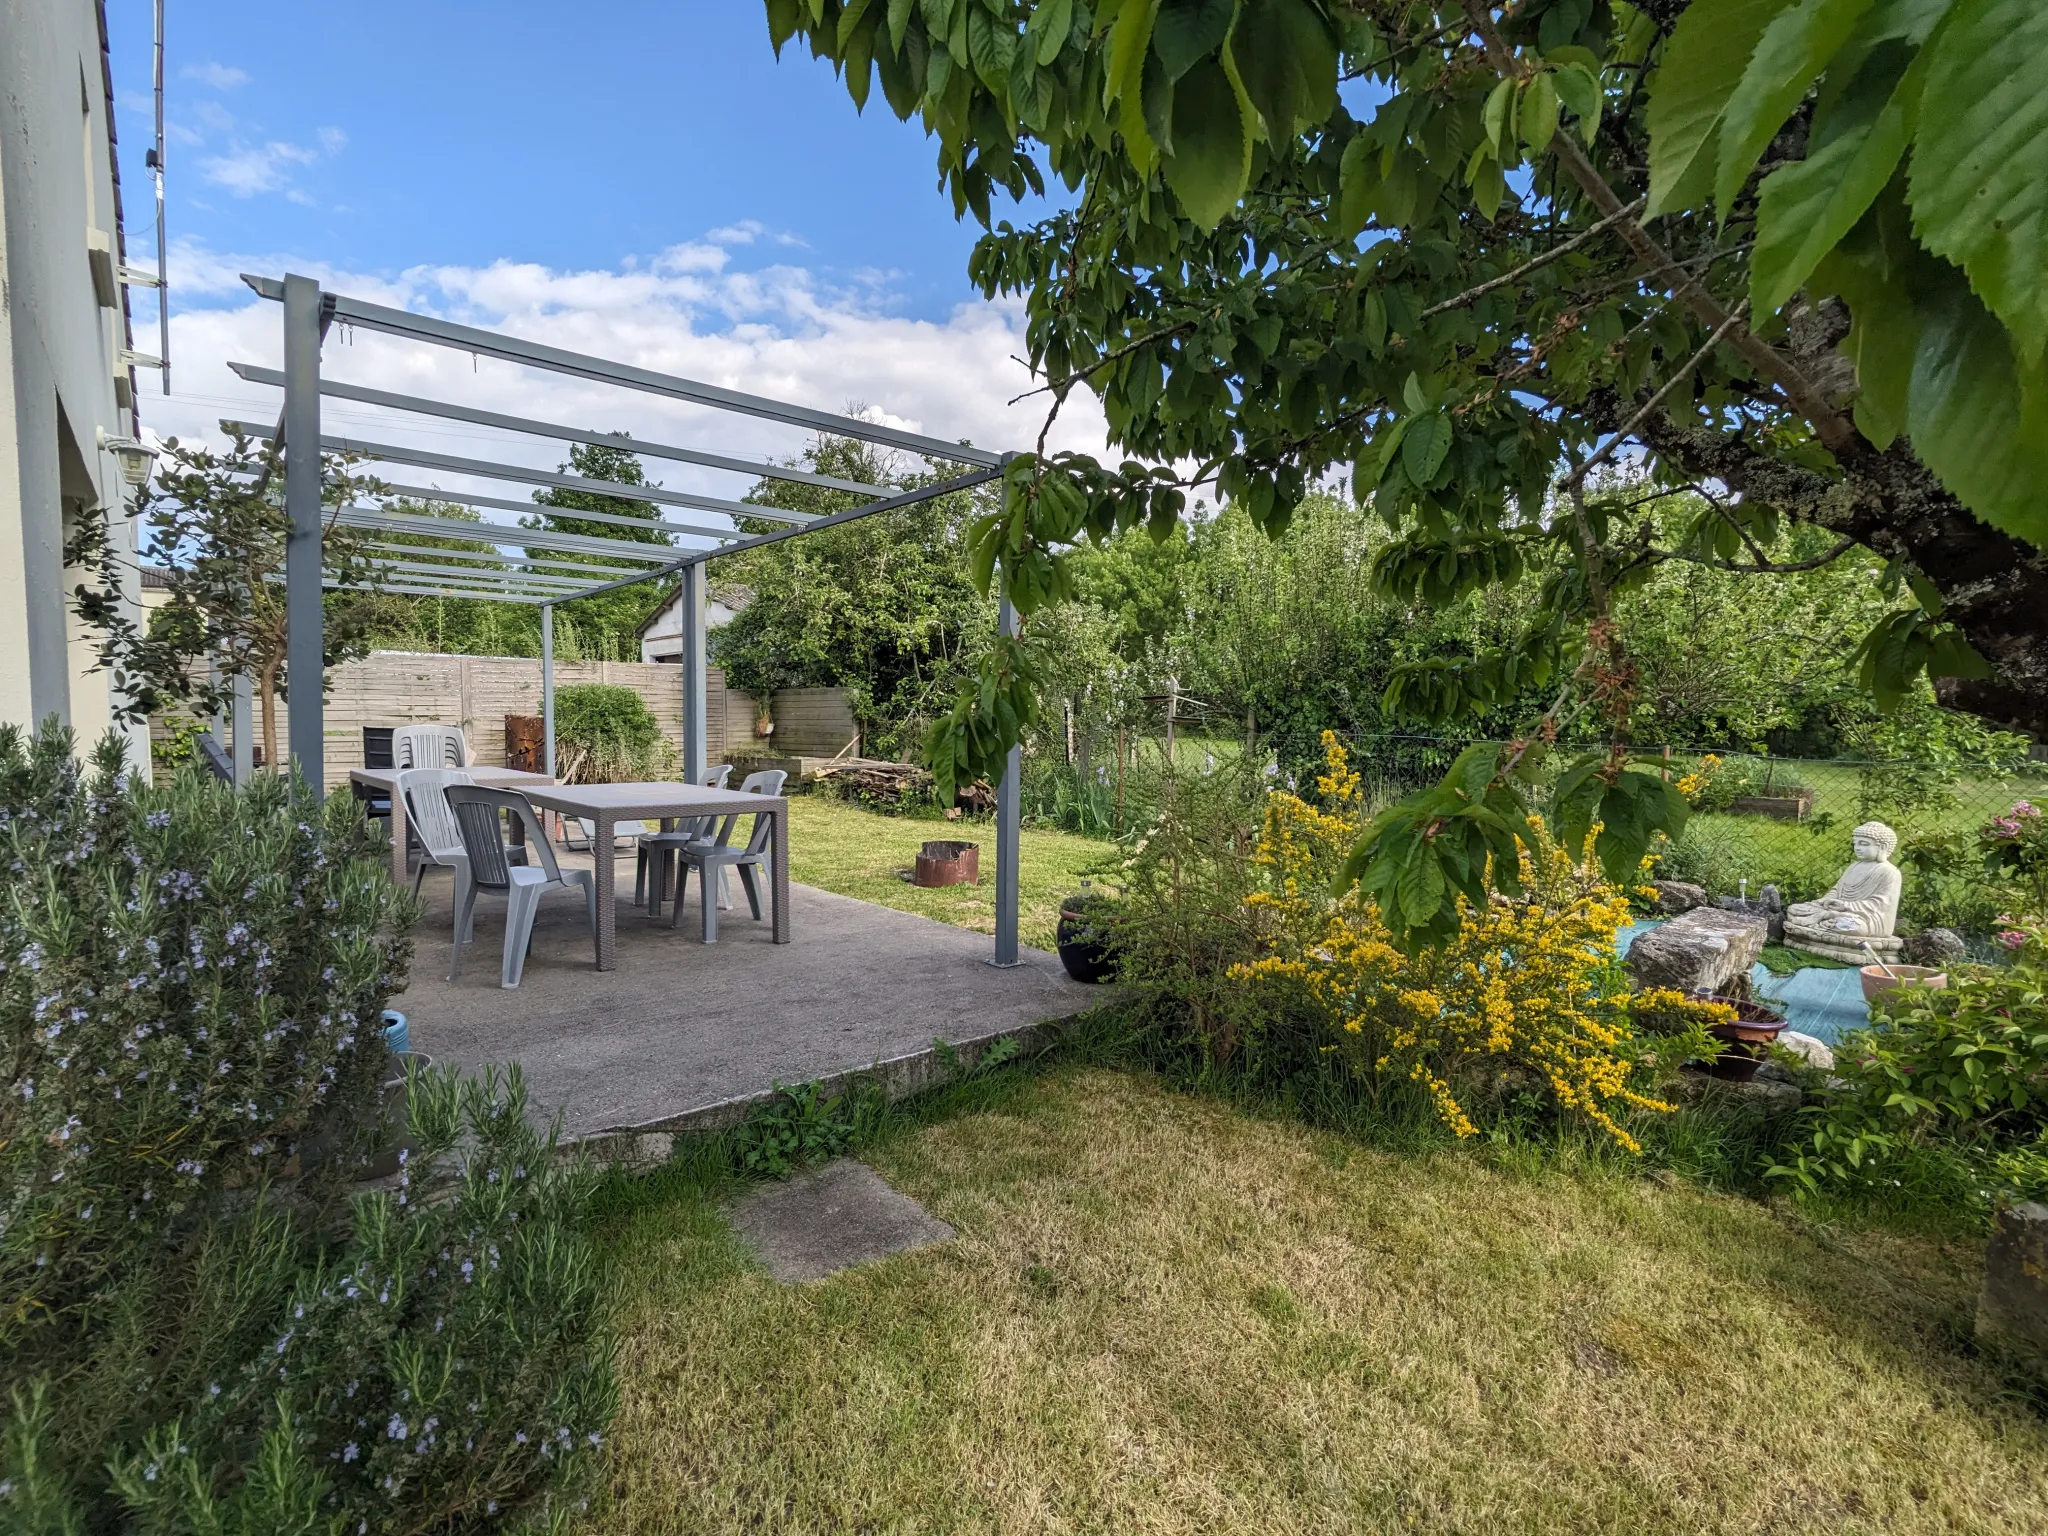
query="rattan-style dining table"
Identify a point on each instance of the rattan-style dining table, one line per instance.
(606, 805)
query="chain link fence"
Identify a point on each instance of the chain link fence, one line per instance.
(1757, 820)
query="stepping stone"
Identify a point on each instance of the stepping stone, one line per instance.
(831, 1218)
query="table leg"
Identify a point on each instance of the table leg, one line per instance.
(779, 841)
(398, 837)
(606, 867)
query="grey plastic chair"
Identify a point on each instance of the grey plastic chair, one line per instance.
(429, 818)
(657, 848)
(476, 811)
(711, 858)
(429, 746)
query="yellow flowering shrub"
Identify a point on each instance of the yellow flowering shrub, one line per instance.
(1531, 981)
(1695, 783)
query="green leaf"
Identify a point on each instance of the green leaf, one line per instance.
(1978, 418)
(1539, 112)
(1286, 57)
(1805, 210)
(1979, 182)
(1789, 57)
(1212, 144)
(1579, 88)
(1048, 28)
(991, 45)
(1701, 66)
(1423, 448)
(1357, 179)
(1867, 271)
(1189, 30)
(1496, 118)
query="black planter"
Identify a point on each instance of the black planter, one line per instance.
(1085, 947)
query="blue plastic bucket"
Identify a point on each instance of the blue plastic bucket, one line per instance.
(396, 1036)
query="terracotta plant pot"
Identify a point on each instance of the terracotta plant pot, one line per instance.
(1748, 1039)
(945, 862)
(1087, 949)
(1876, 983)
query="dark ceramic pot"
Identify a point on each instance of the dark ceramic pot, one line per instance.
(1086, 947)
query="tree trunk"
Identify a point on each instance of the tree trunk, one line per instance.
(266, 683)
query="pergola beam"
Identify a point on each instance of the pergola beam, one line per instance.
(376, 518)
(534, 581)
(490, 469)
(425, 407)
(423, 591)
(852, 514)
(472, 339)
(529, 508)
(497, 558)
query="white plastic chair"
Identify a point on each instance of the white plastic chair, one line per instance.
(656, 848)
(476, 812)
(711, 857)
(429, 746)
(428, 817)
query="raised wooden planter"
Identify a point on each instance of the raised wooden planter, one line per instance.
(944, 862)
(1791, 806)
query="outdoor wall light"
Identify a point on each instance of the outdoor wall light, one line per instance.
(137, 457)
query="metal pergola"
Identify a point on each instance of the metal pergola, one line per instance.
(507, 563)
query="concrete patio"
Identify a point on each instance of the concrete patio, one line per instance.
(684, 1035)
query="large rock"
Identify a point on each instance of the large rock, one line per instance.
(1936, 947)
(1706, 950)
(2012, 1309)
(1675, 896)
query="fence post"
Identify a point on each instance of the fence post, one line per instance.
(1665, 771)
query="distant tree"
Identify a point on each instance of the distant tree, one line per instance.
(883, 606)
(214, 526)
(607, 625)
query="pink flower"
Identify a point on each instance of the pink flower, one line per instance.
(2025, 808)
(2005, 826)
(2012, 938)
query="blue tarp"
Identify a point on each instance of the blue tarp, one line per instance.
(1817, 1001)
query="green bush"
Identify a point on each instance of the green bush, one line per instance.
(605, 734)
(1949, 1086)
(204, 1325)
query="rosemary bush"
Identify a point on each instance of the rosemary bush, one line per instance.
(200, 1314)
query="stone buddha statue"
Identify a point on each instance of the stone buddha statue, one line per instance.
(1863, 907)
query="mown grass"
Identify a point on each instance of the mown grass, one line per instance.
(1163, 1313)
(841, 847)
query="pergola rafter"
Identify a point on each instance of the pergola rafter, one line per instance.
(500, 562)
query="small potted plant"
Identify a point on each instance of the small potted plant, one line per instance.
(1086, 936)
(1747, 1039)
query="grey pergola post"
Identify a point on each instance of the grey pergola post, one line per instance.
(690, 611)
(547, 685)
(1008, 806)
(305, 619)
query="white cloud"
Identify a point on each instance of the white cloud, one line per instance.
(265, 168)
(745, 232)
(222, 77)
(776, 331)
(246, 171)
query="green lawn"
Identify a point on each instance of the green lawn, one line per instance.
(1164, 1315)
(841, 847)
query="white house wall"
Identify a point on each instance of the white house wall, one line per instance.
(59, 352)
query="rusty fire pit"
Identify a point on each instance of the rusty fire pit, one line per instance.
(945, 862)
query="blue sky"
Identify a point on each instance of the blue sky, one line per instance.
(377, 137)
(637, 180)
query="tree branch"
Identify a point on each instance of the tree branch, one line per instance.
(1483, 289)
(1800, 392)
